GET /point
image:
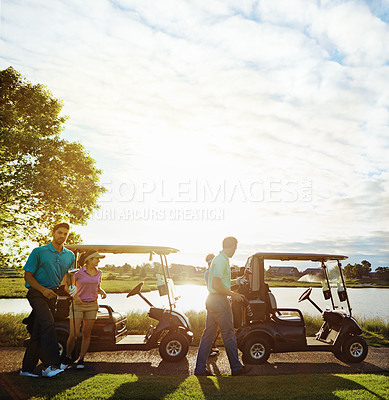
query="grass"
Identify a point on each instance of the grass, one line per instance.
(124, 284)
(13, 332)
(375, 331)
(138, 323)
(367, 283)
(289, 282)
(12, 283)
(130, 386)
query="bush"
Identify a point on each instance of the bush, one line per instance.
(12, 331)
(375, 325)
(312, 324)
(197, 325)
(139, 323)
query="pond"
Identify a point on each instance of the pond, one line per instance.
(365, 303)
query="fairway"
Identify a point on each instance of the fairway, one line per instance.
(130, 386)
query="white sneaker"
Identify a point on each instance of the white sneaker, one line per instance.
(30, 374)
(66, 363)
(50, 372)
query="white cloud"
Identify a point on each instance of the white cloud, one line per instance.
(352, 31)
(290, 90)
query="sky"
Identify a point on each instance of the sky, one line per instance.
(264, 120)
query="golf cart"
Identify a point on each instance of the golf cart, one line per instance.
(263, 328)
(171, 335)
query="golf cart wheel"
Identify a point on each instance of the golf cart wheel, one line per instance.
(256, 350)
(339, 356)
(354, 349)
(62, 340)
(173, 347)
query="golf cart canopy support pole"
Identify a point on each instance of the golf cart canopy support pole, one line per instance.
(324, 266)
(344, 286)
(164, 268)
(167, 267)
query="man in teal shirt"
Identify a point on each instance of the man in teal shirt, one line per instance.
(43, 272)
(219, 313)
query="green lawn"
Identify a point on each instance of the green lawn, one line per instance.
(12, 283)
(127, 386)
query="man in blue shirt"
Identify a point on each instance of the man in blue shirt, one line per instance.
(219, 313)
(43, 272)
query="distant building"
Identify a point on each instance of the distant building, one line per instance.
(313, 271)
(284, 271)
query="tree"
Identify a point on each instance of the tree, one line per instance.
(366, 268)
(348, 271)
(357, 271)
(44, 179)
(382, 273)
(126, 268)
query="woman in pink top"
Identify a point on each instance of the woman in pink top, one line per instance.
(88, 279)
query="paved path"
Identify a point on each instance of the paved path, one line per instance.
(150, 363)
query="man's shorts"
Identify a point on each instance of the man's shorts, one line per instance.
(86, 310)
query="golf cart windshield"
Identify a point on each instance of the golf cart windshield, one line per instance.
(335, 283)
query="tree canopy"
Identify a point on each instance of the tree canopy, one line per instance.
(382, 273)
(357, 271)
(44, 179)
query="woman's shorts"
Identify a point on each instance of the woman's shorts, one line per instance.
(86, 310)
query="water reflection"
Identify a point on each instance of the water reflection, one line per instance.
(364, 302)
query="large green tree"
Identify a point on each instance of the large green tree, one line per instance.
(357, 271)
(44, 179)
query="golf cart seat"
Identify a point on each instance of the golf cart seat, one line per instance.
(278, 316)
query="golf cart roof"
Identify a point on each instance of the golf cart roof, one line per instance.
(300, 256)
(120, 248)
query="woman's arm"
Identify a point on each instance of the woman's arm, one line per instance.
(101, 292)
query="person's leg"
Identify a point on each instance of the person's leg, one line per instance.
(214, 349)
(75, 325)
(49, 339)
(44, 343)
(86, 334)
(207, 339)
(31, 355)
(223, 315)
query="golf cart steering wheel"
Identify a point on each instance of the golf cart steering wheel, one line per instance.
(136, 290)
(305, 295)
